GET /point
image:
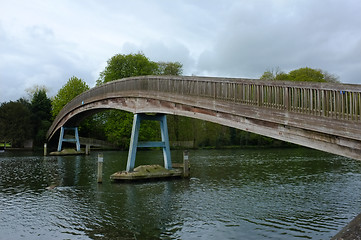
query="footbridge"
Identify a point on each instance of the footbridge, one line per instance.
(323, 116)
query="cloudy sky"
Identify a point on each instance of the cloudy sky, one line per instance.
(47, 42)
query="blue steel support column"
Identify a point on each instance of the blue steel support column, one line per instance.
(133, 143)
(165, 140)
(77, 139)
(61, 137)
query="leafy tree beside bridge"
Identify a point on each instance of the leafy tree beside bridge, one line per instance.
(41, 115)
(70, 90)
(302, 74)
(15, 122)
(23, 120)
(131, 65)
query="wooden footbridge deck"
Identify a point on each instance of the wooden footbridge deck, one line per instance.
(324, 116)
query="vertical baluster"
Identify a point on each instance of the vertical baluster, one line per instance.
(260, 95)
(310, 104)
(359, 106)
(338, 107)
(236, 92)
(296, 99)
(285, 98)
(353, 106)
(347, 105)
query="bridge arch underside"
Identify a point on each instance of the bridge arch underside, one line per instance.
(296, 128)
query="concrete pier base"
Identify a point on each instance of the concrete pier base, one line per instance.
(147, 172)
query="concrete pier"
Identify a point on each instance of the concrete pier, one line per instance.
(147, 172)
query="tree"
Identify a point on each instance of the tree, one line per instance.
(301, 74)
(268, 75)
(170, 68)
(34, 89)
(15, 122)
(41, 115)
(306, 74)
(330, 77)
(123, 66)
(41, 105)
(70, 90)
(271, 74)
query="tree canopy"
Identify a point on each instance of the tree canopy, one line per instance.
(15, 122)
(41, 115)
(131, 65)
(23, 120)
(123, 66)
(170, 68)
(70, 90)
(301, 74)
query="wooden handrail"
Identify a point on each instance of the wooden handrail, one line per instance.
(331, 100)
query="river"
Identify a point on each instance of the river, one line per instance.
(293, 193)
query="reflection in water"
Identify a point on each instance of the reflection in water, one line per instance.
(232, 194)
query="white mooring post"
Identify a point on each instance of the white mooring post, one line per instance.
(87, 149)
(45, 149)
(100, 167)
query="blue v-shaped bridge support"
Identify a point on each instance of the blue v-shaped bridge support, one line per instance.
(134, 144)
(74, 140)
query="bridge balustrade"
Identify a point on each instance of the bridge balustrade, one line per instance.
(333, 100)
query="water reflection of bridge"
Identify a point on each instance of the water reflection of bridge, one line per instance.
(323, 116)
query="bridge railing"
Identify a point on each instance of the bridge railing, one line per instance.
(333, 100)
(340, 101)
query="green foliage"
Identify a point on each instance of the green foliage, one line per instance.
(23, 120)
(34, 89)
(301, 74)
(70, 90)
(131, 65)
(41, 105)
(123, 66)
(268, 75)
(118, 127)
(170, 68)
(282, 76)
(306, 74)
(15, 122)
(41, 115)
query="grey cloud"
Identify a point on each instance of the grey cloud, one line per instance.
(228, 38)
(316, 35)
(40, 60)
(159, 51)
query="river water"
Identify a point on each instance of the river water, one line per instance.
(232, 194)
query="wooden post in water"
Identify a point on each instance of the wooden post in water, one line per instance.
(100, 168)
(87, 149)
(185, 164)
(45, 149)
